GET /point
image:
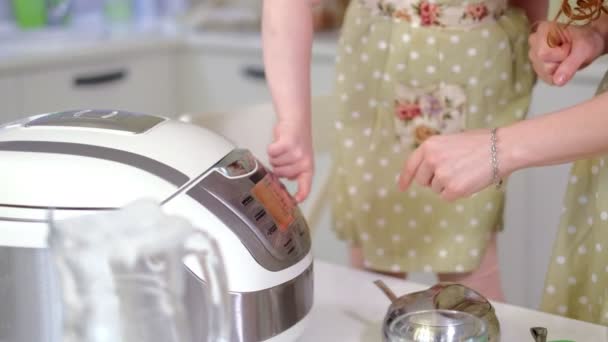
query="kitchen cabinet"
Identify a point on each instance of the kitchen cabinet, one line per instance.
(218, 80)
(221, 80)
(144, 84)
(10, 98)
(166, 75)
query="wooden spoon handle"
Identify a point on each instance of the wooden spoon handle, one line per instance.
(387, 291)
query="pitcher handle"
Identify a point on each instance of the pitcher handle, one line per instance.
(212, 267)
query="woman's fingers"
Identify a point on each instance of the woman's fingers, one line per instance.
(409, 169)
(546, 59)
(436, 185)
(548, 54)
(424, 176)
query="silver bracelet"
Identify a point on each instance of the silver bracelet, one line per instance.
(494, 156)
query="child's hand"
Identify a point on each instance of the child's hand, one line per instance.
(578, 46)
(291, 156)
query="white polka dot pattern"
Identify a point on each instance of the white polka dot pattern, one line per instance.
(379, 64)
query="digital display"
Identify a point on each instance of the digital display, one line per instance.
(276, 200)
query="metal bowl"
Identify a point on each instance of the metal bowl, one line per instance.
(443, 296)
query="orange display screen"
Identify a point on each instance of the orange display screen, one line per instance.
(276, 200)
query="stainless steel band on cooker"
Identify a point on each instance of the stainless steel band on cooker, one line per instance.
(275, 309)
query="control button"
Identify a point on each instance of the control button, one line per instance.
(273, 229)
(260, 215)
(247, 200)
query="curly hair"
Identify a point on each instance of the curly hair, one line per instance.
(585, 11)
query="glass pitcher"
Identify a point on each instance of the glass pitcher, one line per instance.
(123, 277)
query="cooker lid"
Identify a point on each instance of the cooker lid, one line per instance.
(101, 158)
(100, 119)
(46, 175)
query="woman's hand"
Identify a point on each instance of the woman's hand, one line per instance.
(453, 166)
(291, 155)
(577, 47)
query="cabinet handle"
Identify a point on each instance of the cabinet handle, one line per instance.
(99, 79)
(255, 72)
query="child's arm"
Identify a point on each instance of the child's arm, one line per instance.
(287, 37)
(536, 10)
(574, 133)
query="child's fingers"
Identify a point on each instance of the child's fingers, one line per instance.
(284, 159)
(304, 185)
(277, 148)
(290, 172)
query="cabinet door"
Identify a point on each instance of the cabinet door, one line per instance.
(213, 80)
(144, 84)
(10, 99)
(216, 80)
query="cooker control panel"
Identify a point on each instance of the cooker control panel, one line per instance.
(257, 207)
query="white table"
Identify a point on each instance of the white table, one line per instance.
(349, 307)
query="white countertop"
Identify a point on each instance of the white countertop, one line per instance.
(349, 307)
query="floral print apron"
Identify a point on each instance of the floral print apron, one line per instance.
(408, 70)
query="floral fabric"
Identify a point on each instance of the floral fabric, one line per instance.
(422, 113)
(432, 13)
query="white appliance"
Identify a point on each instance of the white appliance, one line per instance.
(90, 160)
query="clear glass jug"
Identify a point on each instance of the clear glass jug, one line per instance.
(123, 277)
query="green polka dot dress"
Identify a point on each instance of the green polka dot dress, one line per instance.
(577, 281)
(407, 70)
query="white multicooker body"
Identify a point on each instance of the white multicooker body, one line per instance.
(84, 161)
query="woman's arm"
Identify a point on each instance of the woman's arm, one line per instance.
(536, 10)
(574, 133)
(460, 165)
(287, 37)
